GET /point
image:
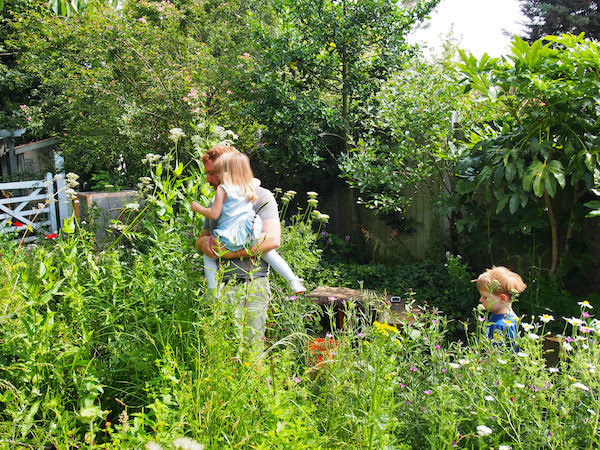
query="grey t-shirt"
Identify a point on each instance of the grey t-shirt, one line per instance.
(265, 207)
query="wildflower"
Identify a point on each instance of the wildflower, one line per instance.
(437, 347)
(585, 304)
(585, 314)
(505, 447)
(454, 365)
(520, 386)
(585, 329)
(402, 385)
(151, 158)
(71, 179)
(553, 369)
(332, 298)
(501, 361)
(489, 398)
(361, 334)
(290, 193)
(175, 134)
(591, 411)
(427, 392)
(581, 386)
(329, 335)
(482, 430)
(413, 369)
(17, 224)
(51, 236)
(313, 201)
(574, 321)
(187, 444)
(297, 380)
(533, 336)
(312, 194)
(463, 362)
(71, 194)
(385, 328)
(568, 347)
(522, 355)
(527, 326)
(152, 446)
(292, 297)
(546, 318)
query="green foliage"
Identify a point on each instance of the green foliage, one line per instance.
(445, 284)
(554, 17)
(319, 68)
(109, 92)
(412, 144)
(544, 145)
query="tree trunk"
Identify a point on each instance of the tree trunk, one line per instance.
(554, 229)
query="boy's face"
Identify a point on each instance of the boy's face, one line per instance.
(493, 303)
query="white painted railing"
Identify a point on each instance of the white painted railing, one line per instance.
(34, 206)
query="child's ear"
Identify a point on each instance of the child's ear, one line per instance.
(505, 298)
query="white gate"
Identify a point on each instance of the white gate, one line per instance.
(32, 206)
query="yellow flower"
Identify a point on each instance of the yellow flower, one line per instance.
(384, 328)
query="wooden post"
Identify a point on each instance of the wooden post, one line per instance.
(51, 202)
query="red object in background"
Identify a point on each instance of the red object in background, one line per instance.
(51, 236)
(17, 224)
(321, 349)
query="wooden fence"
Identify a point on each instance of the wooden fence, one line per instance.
(36, 206)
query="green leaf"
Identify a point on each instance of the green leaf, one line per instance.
(179, 169)
(513, 204)
(159, 169)
(510, 172)
(69, 225)
(549, 184)
(538, 187)
(502, 201)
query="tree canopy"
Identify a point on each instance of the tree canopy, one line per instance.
(555, 17)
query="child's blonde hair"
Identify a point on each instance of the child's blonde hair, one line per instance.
(500, 280)
(234, 168)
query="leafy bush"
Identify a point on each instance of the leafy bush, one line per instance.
(443, 284)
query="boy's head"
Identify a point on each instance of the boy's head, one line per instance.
(497, 287)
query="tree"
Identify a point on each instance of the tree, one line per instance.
(555, 17)
(544, 151)
(320, 67)
(110, 93)
(413, 145)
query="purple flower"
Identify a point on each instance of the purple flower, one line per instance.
(332, 299)
(324, 233)
(297, 380)
(585, 314)
(443, 369)
(481, 319)
(361, 334)
(427, 392)
(402, 385)
(413, 369)
(292, 297)
(347, 239)
(437, 347)
(329, 335)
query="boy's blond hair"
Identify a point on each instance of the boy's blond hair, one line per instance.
(500, 280)
(234, 168)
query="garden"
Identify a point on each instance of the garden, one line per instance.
(115, 342)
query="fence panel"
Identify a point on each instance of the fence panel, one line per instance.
(29, 205)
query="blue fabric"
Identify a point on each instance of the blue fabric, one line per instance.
(238, 221)
(502, 329)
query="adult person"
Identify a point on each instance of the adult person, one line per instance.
(245, 276)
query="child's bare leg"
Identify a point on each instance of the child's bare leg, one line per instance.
(282, 268)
